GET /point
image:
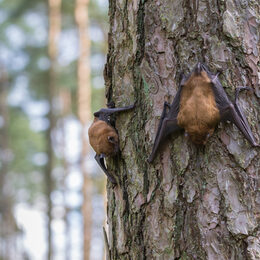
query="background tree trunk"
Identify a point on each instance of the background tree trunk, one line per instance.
(84, 112)
(191, 203)
(54, 32)
(65, 99)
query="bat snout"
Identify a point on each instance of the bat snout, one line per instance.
(113, 143)
(199, 139)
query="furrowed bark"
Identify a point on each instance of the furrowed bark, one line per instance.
(190, 203)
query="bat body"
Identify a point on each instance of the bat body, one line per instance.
(198, 111)
(104, 138)
(199, 105)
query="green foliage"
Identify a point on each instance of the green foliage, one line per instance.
(23, 142)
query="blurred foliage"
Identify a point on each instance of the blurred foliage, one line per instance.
(24, 55)
(22, 138)
(31, 49)
(25, 144)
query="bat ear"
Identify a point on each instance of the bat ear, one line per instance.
(111, 139)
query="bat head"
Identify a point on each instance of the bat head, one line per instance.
(200, 137)
(113, 142)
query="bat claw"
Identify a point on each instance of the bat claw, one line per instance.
(167, 104)
(240, 88)
(198, 68)
(111, 104)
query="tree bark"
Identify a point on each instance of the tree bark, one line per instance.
(191, 202)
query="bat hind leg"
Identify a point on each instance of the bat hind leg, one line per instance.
(101, 163)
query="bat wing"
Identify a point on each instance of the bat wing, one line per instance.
(168, 123)
(228, 110)
(101, 163)
(104, 113)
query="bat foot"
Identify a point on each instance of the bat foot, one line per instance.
(111, 104)
(198, 68)
(100, 160)
(243, 88)
(167, 104)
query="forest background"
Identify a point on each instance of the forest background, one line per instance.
(40, 113)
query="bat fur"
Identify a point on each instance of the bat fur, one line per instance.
(104, 138)
(199, 105)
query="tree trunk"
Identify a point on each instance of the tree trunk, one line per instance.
(54, 32)
(191, 202)
(65, 98)
(84, 112)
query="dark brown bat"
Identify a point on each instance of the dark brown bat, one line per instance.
(103, 137)
(199, 105)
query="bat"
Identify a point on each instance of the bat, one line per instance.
(199, 105)
(104, 138)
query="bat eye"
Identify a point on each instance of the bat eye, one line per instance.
(111, 139)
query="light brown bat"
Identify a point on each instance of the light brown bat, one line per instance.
(104, 138)
(199, 105)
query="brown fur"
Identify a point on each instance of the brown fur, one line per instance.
(198, 113)
(98, 133)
